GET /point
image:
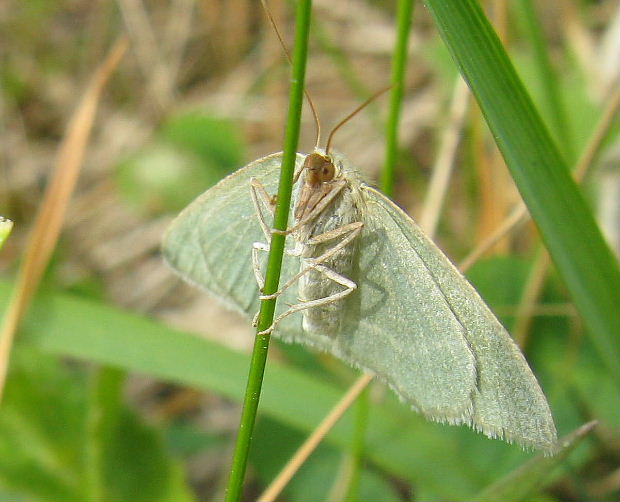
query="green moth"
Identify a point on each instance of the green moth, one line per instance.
(361, 281)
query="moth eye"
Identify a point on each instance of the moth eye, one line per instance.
(327, 172)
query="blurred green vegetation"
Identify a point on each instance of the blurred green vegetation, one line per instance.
(190, 153)
(65, 435)
(73, 426)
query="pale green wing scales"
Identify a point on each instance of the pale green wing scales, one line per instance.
(507, 400)
(398, 324)
(426, 359)
(210, 242)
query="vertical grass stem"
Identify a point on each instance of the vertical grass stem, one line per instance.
(272, 278)
(399, 65)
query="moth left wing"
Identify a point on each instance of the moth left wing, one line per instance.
(209, 243)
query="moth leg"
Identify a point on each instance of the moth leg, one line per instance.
(260, 199)
(256, 247)
(350, 231)
(260, 195)
(325, 201)
(348, 284)
(263, 246)
(353, 229)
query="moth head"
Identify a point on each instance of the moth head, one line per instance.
(319, 168)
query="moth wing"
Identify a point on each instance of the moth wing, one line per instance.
(399, 325)
(507, 400)
(209, 243)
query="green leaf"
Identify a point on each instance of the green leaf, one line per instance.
(42, 423)
(137, 467)
(398, 440)
(555, 202)
(55, 444)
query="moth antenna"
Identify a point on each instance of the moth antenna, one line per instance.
(352, 114)
(315, 115)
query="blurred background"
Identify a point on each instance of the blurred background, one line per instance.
(201, 92)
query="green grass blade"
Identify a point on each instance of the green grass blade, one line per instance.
(528, 479)
(555, 202)
(399, 65)
(276, 253)
(552, 92)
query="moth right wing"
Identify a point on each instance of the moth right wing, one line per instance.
(507, 400)
(399, 325)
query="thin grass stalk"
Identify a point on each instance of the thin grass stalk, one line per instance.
(399, 66)
(274, 264)
(399, 59)
(445, 159)
(104, 412)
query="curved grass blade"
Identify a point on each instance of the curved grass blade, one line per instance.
(523, 482)
(565, 221)
(552, 92)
